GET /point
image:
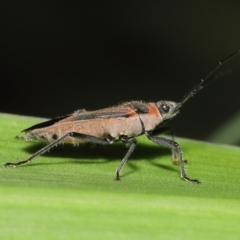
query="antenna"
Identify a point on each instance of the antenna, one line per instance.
(206, 80)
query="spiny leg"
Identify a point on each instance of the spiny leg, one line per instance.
(168, 130)
(177, 149)
(87, 138)
(131, 144)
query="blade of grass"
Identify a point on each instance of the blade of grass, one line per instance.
(70, 192)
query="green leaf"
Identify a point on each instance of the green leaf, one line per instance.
(70, 193)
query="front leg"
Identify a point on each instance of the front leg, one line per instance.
(175, 149)
(168, 130)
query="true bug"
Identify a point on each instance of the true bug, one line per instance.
(123, 123)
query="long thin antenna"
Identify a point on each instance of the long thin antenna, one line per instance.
(207, 80)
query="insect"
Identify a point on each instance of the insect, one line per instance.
(122, 123)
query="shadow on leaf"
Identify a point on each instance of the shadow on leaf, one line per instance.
(89, 154)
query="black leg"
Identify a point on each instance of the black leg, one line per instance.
(177, 150)
(161, 130)
(169, 131)
(84, 137)
(131, 144)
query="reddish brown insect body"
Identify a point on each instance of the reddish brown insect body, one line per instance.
(122, 120)
(119, 123)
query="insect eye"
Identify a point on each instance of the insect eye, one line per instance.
(165, 108)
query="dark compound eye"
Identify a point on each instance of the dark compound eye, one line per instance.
(165, 107)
